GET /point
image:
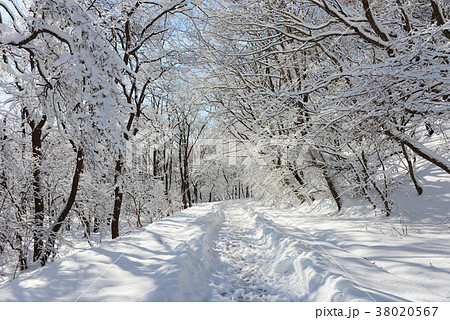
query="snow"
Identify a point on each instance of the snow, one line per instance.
(239, 250)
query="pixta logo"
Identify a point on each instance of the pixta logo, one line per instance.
(229, 152)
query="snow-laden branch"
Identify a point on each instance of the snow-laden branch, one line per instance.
(419, 149)
(20, 40)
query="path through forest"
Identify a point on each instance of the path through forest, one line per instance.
(242, 276)
(239, 250)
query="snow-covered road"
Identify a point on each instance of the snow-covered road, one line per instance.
(240, 251)
(260, 260)
(244, 265)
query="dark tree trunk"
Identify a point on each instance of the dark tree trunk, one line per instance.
(155, 163)
(320, 162)
(298, 178)
(96, 227)
(195, 192)
(38, 223)
(411, 170)
(65, 212)
(169, 174)
(186, 176)
(166, 173)
(86, 225)
(438, 17)
(239, 189)
(188, 192)
(184, 173)
(118, 197)
(183, 184)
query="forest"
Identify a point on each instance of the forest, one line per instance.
(117, 113)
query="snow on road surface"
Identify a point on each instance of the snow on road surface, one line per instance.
(261, 260)
(241, 251)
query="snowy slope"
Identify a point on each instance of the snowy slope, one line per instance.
(157, 263)
(241, 251)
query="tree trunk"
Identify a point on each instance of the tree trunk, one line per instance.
(183, 184)
(239, 189)
(155, 164)
(38, 223)
(411, 170)
(96, 227)
(65, 212)
(438, 16)
(23, 264)
(195, 192)
(188, 192)
(186, 174)
(86, 225)
(166, 173)
(320, 162)
(118, 197)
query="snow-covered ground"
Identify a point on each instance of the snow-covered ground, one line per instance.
(242, 251)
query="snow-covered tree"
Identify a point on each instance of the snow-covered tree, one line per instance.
(60, 81)
(138, 31)
(337, 77)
